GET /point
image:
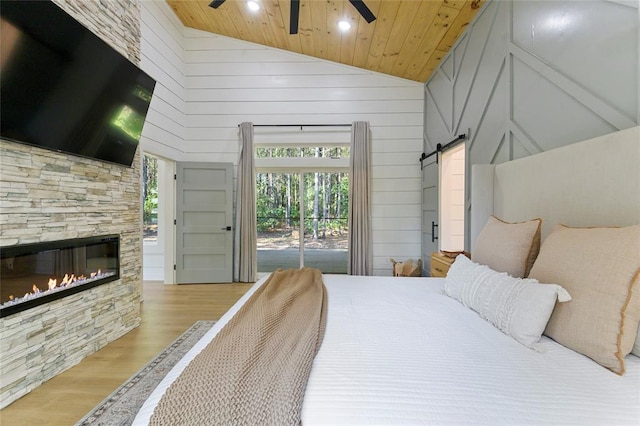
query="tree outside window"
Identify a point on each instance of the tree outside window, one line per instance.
(150, 198)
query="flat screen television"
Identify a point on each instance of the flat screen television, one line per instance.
(64, 89)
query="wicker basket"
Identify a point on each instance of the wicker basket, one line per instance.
(408, 268)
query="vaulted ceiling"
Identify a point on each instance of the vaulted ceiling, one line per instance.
(408, 38)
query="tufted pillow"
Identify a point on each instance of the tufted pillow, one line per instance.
(520, 308)
(600, 268)
(508, 247)
(636, 345)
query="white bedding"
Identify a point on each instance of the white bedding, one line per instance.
(399, 351)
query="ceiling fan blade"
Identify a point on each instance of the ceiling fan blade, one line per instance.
(366, 13)
(216, 3)
(294, 17)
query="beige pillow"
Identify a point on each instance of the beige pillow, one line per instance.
(599, 267)
(508, 247)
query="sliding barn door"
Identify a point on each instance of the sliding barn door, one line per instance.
(430, 177)
(204, 252)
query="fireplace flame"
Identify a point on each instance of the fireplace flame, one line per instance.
(68, 279)
(52, 285)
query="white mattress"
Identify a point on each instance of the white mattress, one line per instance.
(398, 351)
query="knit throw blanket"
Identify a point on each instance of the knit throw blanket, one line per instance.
(255, 371)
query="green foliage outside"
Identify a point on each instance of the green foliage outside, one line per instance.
(150, 190)
(325, 195)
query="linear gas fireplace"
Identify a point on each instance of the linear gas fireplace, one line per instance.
(35, 274)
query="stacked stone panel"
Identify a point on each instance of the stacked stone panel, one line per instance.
(47, 196)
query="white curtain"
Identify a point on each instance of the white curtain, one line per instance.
(246, 235)
(360, 247)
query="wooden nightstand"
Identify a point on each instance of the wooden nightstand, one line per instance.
(440, 264)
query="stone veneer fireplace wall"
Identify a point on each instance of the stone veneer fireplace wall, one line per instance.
(48, 196)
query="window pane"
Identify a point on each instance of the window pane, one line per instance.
(278, 221)
(326, 224)
(150, 198)
(296, 152)
(324, 198)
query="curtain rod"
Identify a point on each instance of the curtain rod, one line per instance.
(301, 125)
(440, 148)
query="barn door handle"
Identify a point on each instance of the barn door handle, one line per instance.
(433, 231)
(226, 228)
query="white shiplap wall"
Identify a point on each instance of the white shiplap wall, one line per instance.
(162, 57)
(227, 81)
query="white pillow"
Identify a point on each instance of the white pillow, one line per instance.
(518, 307)
(636, 345)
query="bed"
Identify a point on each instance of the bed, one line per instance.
(405, 351)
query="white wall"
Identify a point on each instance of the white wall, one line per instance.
(162, 57)
(228, 81)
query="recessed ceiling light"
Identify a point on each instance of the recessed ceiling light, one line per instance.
(344, 25)
(253, 6)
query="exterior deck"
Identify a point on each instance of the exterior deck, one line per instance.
(329, 261)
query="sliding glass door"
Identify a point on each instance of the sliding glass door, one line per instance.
(302, 220)
(278, 221)
(325, 221)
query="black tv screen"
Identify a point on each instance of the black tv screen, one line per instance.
(64, 89)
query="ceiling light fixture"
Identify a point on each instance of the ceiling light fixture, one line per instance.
(344, 25)
(253, 6)
(359, 5)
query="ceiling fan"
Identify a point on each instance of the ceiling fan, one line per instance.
(295, 12)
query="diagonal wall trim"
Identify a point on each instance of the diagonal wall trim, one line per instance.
(608, 112)
(431, 145)
(516, 103)
(444, 73)
(489, 98)
(525, 139)
(444, 122)
(463, 42)
(503, 138)
(456, 124)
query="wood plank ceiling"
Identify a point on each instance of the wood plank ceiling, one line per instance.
(408, 39)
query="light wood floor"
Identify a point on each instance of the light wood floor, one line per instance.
(167, 311)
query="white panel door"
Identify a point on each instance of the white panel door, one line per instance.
(430, 198)
(204, 252)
